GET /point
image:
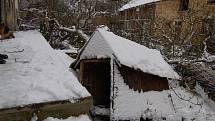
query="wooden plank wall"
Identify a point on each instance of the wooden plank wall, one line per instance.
(58, 109)
(140, 81)
(134, 18)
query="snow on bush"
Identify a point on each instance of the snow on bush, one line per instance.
(80, 118)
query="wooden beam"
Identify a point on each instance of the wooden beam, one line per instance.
(58, 109)
(95, 60)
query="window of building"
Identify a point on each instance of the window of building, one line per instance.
(178, 26)
(184, 5)
(178, 23)
(208, 25)
(211, 1)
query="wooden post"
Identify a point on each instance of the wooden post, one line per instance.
(0, 10)
(9, 13)
(81, 72)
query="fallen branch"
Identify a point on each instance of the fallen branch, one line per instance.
(79, 32)
(187, 100)
(18, 51)
(172, 102)
(189, 61)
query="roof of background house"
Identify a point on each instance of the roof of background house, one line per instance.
(35, 73)
(135, 3)
(105, 44)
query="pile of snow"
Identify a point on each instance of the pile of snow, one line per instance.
(135, 3)
(103, 27)
(105, 44)
(100, 111)
(131, 105)
(80, 118)
(204, 95)
(211, 58)
(34, 73)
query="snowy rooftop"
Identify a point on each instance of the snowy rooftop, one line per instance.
(135, 3)
(35, 73)
(106, 44)
(66, 59)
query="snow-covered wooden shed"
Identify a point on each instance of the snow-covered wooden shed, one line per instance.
(36, 79)
(107, 58)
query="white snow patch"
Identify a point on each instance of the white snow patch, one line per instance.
(34, 73)
(135, 3)
(96, 48)
(200, 91)
(211, 58)
(66, 59)
(103, 27)
(34, 117)
(80, 118)
(207, 55)
(101, 111)
(105, 44)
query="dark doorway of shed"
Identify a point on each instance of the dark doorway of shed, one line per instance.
(98, 79)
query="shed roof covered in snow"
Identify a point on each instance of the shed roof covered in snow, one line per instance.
(105, 44)
(35, 73)
(135, 3)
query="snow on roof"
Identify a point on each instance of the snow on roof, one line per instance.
(66, 59)
(80, 118)
(106, 44)
(135, 3)
(34, 73)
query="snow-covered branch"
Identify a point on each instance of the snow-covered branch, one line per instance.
(79, 32)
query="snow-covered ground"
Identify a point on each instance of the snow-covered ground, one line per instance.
(35, 73)
(80, 118)
(130, 104)
(201, 91)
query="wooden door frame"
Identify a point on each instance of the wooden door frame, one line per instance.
(82, 72)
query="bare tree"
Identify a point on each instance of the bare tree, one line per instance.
(188, 37)
(60, 21)
(185, 37)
